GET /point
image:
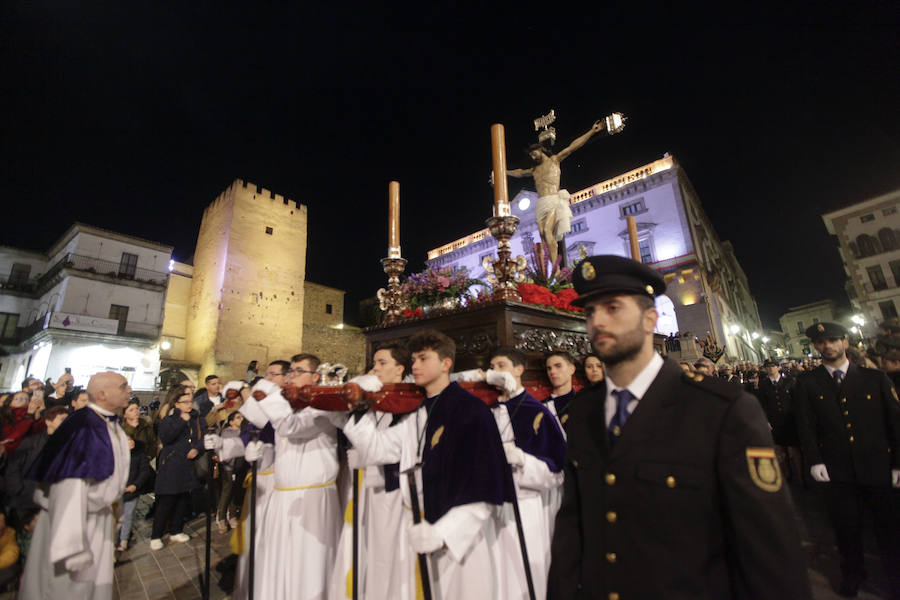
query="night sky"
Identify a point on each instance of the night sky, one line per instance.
(134, 119)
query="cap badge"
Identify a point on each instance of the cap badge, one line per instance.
(587, 271)
(820, 327)
(649, 289)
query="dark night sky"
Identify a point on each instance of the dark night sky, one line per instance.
(135, 119)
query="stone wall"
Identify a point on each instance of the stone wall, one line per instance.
(346, 346)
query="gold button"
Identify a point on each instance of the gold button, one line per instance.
(610, 479)
(611, 517)
(610, 557)
(849, 426)
(616, 430)
(846, 413)
(868, 396)
(670, 481)
(613, 596)
(574, 463)
(843, 401)
(851, 439)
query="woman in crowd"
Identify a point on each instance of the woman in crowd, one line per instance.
(140, 429)
(138, 477)
(20, 415)
(593, 369)
(182, 442)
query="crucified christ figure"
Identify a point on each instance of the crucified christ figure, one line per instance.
(554, 217)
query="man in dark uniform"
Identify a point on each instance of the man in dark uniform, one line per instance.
(774, 394)
(849, 423)
(672, 488)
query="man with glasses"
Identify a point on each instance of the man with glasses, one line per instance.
(302, 519)
(848, 419)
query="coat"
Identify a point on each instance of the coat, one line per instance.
(19, 490)
(689, 503)
(853, 429)
(143, 433)
(778, 404)
(174, 470)
(139, 472)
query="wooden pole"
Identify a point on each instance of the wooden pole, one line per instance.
(498, 151)
(394, 219)
(633, 238)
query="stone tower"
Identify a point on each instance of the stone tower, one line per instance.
(247, 290)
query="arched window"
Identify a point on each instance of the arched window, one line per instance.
(888, 239)
(866, 245)
(666, 324)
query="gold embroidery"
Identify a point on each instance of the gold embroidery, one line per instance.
(564, 419)
(764, 469)
(537, 422)
(437, 436)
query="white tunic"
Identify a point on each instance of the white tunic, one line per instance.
(469, 568)
(77, 516)
(264, 484)
(301, 523)
(534, 483)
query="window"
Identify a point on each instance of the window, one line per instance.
(889, 211)
(800, 327)
(633, 208)
(876, 276)
(888, 239)
(579, 226)
(646, 254)
(119, 313)
(895, 271)
(128, 265)
(888, 310)
(328, 309)
(8, 324)
(867, 218)
(18, 275)
(866, 244)
(269, 230)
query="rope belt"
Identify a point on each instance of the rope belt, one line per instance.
(269, 472)
(305, 487)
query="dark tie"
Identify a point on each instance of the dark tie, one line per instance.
(617, 422)
(838, 376)
(112, 418)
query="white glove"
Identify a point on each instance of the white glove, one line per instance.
(368, 383)
(266, 387)
(424, 538)
(353, 459)
(470, 375)
(515, 456)
(233, 385)
(79, 561)
(895, 478)
(819, 473)
(254, 451)
(211, 441)
(503, 380)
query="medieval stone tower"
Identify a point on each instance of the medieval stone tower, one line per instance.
(246, 299)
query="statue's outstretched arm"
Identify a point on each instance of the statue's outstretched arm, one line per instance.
(582, 140)
(520, 172)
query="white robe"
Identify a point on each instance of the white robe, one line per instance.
(264, 484)
(469, 568)
(76, 516)
(301, 523)
(534, 484)
(382, 528)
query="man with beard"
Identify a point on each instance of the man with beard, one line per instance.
(672, 488)
(849, 424)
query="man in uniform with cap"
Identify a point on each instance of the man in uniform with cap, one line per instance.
(672, 488)
(848, 418)
(774, 392)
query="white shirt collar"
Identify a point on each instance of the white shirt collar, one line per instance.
(102, 411)
(842, 367)
(639, 385)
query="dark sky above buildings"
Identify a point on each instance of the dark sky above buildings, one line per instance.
(134, 119)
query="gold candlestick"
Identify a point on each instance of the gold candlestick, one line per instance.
(505, 271)
(390, 299)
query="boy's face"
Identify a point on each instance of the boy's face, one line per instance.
(559, 371)
(386, 368)
(428, 367)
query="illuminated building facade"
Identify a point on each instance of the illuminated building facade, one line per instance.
(93, 302)
(707, 289)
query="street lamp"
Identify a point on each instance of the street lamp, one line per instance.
(755, 335)
(765, 340)
(735, 329)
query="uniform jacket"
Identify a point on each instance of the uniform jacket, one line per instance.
(854, 428)
(688, 504)
(778, 404)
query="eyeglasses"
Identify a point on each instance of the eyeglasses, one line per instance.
(300, 371)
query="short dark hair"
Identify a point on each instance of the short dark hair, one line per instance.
(210, 378)
(399, 353)
(54, 411)
(644, 302)
(27, 380)
(313, 360)
(516, 357)
(432, 339)
(285, 365)
(562, 354)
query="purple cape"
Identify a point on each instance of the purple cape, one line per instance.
(266, 434)
(463, 459)
(562, 405)
(546, 442)
(79, 449)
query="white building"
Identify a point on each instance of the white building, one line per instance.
(707, 291)
(795, 322)
(868, 236)
(93, 302)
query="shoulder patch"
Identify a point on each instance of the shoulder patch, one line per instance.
(764, 470)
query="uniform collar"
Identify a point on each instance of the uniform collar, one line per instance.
(638, 387)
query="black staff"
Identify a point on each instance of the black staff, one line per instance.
(254, 469)
(528, 579)
(210, 507)
(417, 518)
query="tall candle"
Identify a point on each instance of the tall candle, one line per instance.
(498, 150)
(394, 219)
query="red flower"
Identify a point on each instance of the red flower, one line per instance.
(536, 294)
(566, 296)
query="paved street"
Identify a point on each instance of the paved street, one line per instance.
(174, 571)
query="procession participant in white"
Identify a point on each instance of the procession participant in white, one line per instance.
(385, 560)
(82, 473)
(536, 450)
(464, 478)
(301, 523)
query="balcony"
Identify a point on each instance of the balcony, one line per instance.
(98, 266)
(88, 324)
(23, 285)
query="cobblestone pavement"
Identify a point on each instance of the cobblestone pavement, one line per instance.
(174, 571)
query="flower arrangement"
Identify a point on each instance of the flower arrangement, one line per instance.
(437, 287)
(548, 284)
(533, 293)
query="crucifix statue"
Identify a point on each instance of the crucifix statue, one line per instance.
(553, 215)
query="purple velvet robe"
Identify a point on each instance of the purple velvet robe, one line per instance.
(79, 449)
(539, 437)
